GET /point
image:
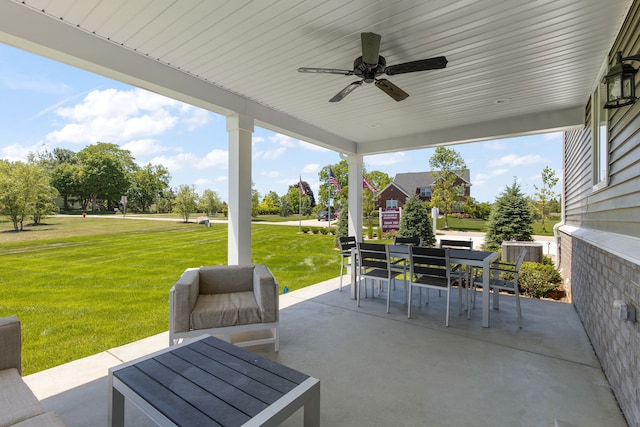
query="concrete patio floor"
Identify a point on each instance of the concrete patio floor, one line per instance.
(379, 369)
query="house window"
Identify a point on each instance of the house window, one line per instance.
(600, 148)
(392, 204)
(425, 192)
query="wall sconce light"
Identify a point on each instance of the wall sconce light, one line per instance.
(621, 82)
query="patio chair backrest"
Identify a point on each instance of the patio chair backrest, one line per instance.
(346, 244)
(411, 241)
(456, 244)
(431, 262)
(373, 256)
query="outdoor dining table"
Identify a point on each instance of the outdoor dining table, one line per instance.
(481, 259)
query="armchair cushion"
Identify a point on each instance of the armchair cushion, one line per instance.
(218, 310)
(10, 344)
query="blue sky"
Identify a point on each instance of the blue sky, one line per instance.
(46, 104)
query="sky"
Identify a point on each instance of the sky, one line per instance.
(47, 104)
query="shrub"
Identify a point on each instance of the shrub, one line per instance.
(324, 230)
(305, 230)
(510, 219)
(538, 280)
(415, 221)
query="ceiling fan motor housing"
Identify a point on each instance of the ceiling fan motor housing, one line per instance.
(368, 73)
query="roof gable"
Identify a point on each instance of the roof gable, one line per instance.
(409, 181)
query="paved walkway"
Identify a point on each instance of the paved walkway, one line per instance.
(548, 242)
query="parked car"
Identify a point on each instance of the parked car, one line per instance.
(324, 215)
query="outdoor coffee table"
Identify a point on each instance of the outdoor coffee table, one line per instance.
(209, 382)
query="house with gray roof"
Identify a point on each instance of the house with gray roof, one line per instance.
(420, 183)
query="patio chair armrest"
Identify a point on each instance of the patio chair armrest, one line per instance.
(10, 344)
(182, 299)
(266, 291)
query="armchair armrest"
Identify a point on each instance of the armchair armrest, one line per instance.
(182, 299)
(266, 290)
(10, 344)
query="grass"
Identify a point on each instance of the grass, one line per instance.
(480, 226)
(84, 285)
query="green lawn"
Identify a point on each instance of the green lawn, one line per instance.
(84, 285)
(478, 225)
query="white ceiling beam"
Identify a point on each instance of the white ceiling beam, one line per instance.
(530, 124)
(33, 31)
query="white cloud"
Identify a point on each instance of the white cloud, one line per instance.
(284, 140)
(494, 145)
(146, 147)
(311, 168)
(118, 116)
(482, 178)
(270, 174)
(385, 159)
(17, 152)
(512, 160)
(215, 158)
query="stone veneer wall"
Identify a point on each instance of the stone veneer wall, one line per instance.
(596, 278)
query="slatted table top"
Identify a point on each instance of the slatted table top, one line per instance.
(207, 382)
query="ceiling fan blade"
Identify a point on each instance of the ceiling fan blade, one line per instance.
(419, 65)
(346, 91)
(370, 48)
(392, 90)
(325, 71)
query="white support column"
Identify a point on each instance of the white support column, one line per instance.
(355, 205)
(240, 130)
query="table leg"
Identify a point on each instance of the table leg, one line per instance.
(312, 407)
(116, 407)
(485, 294)
(354, 274)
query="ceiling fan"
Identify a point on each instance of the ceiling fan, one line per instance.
(371, 65)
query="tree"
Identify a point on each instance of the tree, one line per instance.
(545, 192)
(342, 229)
(473, 209)
(209, 202)
(186, 201)
(106, 171)
(255, 202)
(447, 166)
(341, 172)
(379, 180)
(65, 177)
(511, 218)
(147, 184)
(63, 169)
(415, 221)
(25, 190)
(297, 202)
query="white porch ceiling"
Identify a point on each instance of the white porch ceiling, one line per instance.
(242, 56)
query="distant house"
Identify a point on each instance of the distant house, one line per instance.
(420, 183)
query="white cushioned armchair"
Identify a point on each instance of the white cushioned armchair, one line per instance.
(225, 300)
(18, 405)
